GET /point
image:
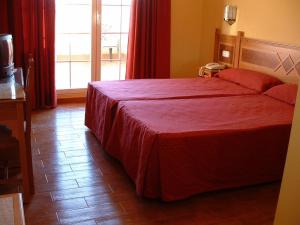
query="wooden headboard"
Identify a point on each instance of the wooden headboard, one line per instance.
(279, 60)
(229, 43)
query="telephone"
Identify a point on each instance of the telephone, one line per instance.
(214, 66)
(210, 69)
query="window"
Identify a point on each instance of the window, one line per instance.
(73, 43)
(114, 38)
(75, 34)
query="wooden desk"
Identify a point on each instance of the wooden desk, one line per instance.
(12, 100)
(11, 209)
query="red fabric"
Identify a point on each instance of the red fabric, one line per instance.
(284, 92)
(44, 39)
(149, 39)
(11, 22)
(103, 97)
(250, 79)
(175, 148)
(3, 17)
(32, 25)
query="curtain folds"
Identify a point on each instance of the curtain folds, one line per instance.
(149, 39)
(44, 39)
(32, 24)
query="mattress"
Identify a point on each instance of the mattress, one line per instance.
(175, 148)
(103, 97)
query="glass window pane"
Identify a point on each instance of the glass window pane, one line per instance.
(61, 22)
(62, 47)
(111, 19)
(124, 45)
(75, 19)
(73, 43)
(81, 2)
(62, 75)
(126, 2)
(114, 39)
(125, 19)
(81, 74)
(123, 70)
(111, 2)
(81, 47)
(73, 2)
(110, 46)
(110, 70)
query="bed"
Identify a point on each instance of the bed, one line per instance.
(177, 140)
(103, 97)
(180, 147)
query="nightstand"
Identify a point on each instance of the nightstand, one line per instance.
(208, 73)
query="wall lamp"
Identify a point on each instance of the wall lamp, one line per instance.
(230, 14)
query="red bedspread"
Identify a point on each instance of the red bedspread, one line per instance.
(103, 97)
(173, 149)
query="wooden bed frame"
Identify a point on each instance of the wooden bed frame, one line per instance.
(279, 60)
(228, 43)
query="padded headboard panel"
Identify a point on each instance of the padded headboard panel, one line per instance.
(282, 61)
(230, 44)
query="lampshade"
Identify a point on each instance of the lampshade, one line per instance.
(230, 14)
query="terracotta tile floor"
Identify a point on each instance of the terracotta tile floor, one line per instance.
(78, 183)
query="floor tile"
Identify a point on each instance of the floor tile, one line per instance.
(73, 216)
(78, 192)
(80, 184)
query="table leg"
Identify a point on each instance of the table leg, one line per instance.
(24, 156)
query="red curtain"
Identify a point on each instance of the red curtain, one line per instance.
(32, 24)
(44, 39)
(149, 39)
(13, 25)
